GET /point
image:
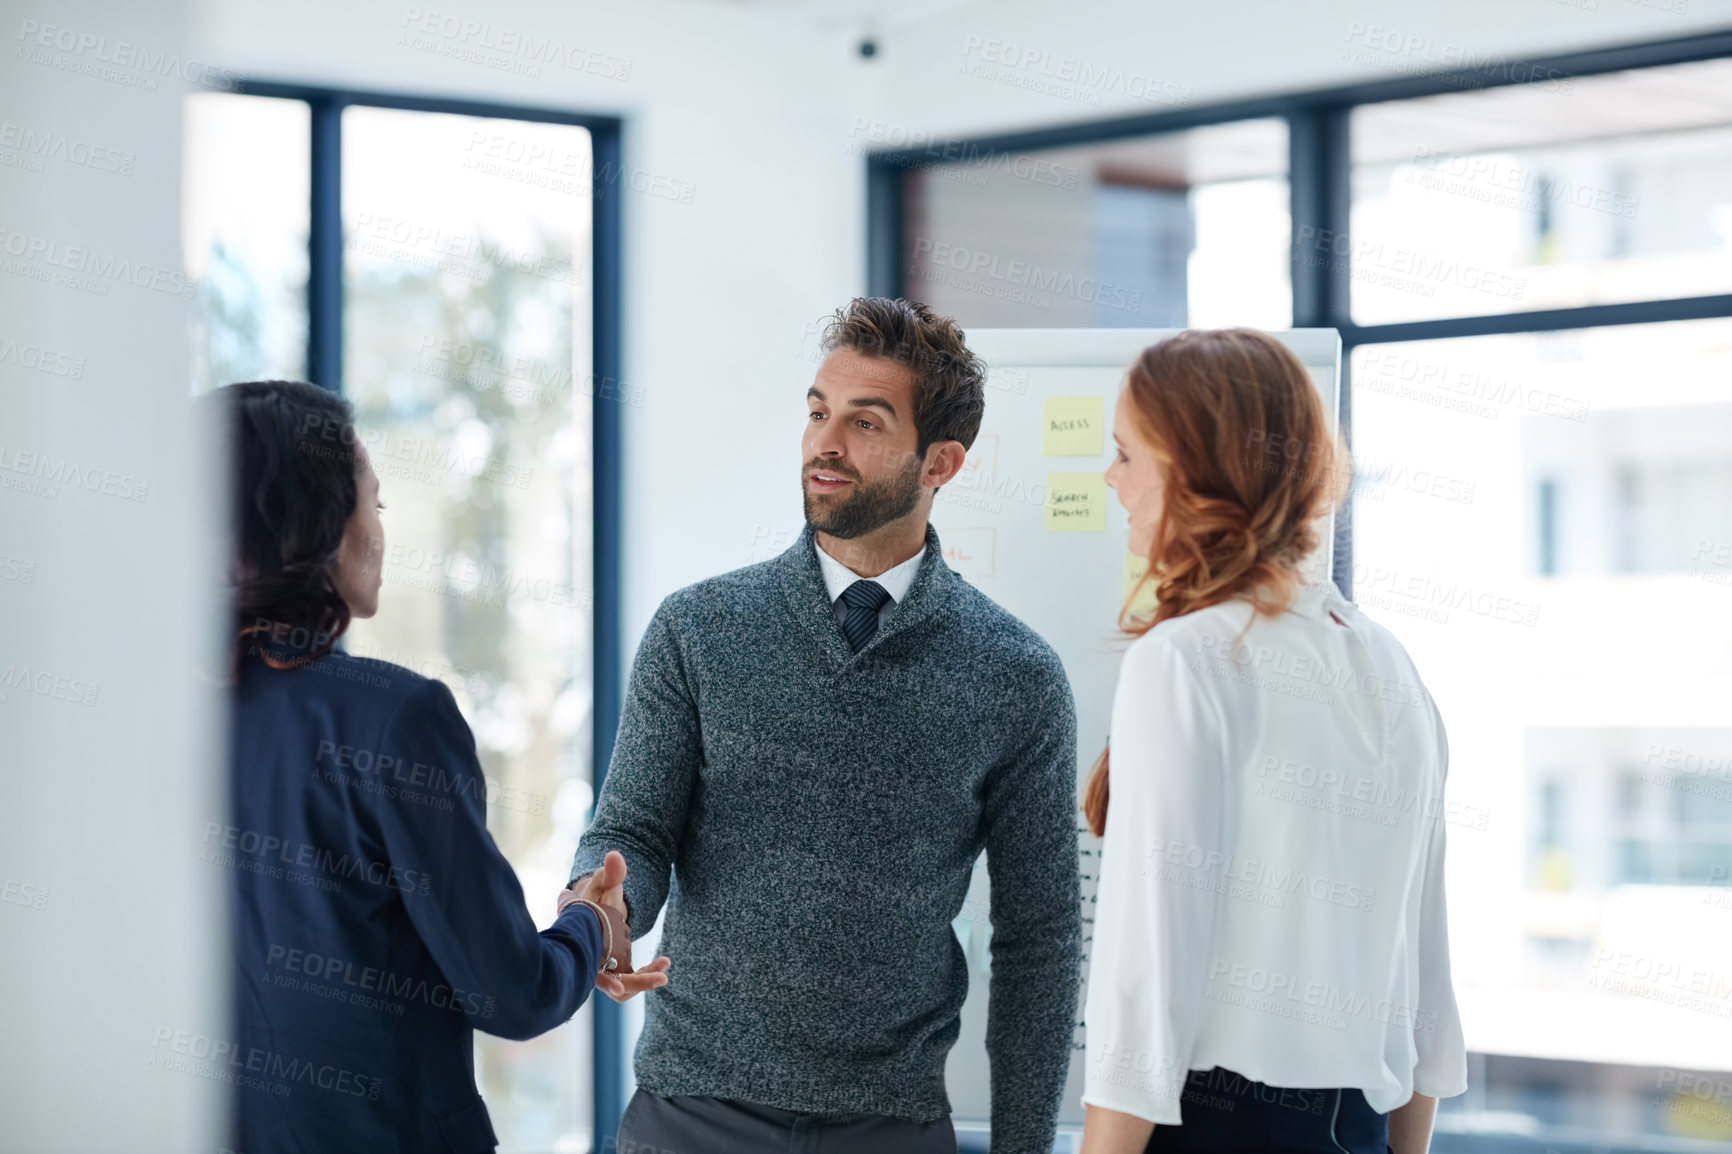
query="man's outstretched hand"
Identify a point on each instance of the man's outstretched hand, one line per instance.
(606, 887)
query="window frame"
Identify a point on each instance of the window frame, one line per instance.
(324, 368)
(1319, 173)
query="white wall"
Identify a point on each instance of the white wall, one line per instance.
(112, 955)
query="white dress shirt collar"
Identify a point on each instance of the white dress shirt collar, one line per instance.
(1315, 601)
(1318, 600)
(895, 580)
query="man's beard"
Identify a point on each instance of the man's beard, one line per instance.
(869, 506)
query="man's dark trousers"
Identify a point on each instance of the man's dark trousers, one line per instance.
(692, 1125)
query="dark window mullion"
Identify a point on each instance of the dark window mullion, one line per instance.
(886, 229)
(1318, 175)
(325, 246)
(1543, 320)
(607, 653)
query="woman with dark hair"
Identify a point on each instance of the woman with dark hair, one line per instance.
(1271, 960)
(376, 923)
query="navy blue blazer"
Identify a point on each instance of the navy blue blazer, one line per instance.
(376, 923)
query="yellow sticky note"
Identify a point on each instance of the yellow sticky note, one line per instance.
(1072, 427)
(1076, 502)
(1145, 603)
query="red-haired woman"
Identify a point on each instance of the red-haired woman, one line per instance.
(1271, 963)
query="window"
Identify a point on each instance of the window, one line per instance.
(1168, 230)
(448, 256)
(1560, 602)
(1533, 282)
(464, 308)
(1603, 189)
(245, 227)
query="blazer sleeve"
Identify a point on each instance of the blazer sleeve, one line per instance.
(470, 913)
(1441, 1067)
(1155, 906)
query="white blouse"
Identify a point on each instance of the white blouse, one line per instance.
(1271, 878)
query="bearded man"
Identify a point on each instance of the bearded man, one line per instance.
(813, 753)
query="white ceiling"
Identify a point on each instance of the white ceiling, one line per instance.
(1633, 103)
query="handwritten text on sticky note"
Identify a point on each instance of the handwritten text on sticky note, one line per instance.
(1076, 502)
(1072, 427)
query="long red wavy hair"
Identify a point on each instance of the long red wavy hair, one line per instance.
(1251, 465)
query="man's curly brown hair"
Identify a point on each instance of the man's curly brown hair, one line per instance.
(949, 380)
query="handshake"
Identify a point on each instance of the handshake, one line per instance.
(606, 888)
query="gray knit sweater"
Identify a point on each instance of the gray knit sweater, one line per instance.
(821, 812)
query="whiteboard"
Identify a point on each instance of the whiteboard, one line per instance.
(1067, 586)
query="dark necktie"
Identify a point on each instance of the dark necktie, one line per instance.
(860, 619)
